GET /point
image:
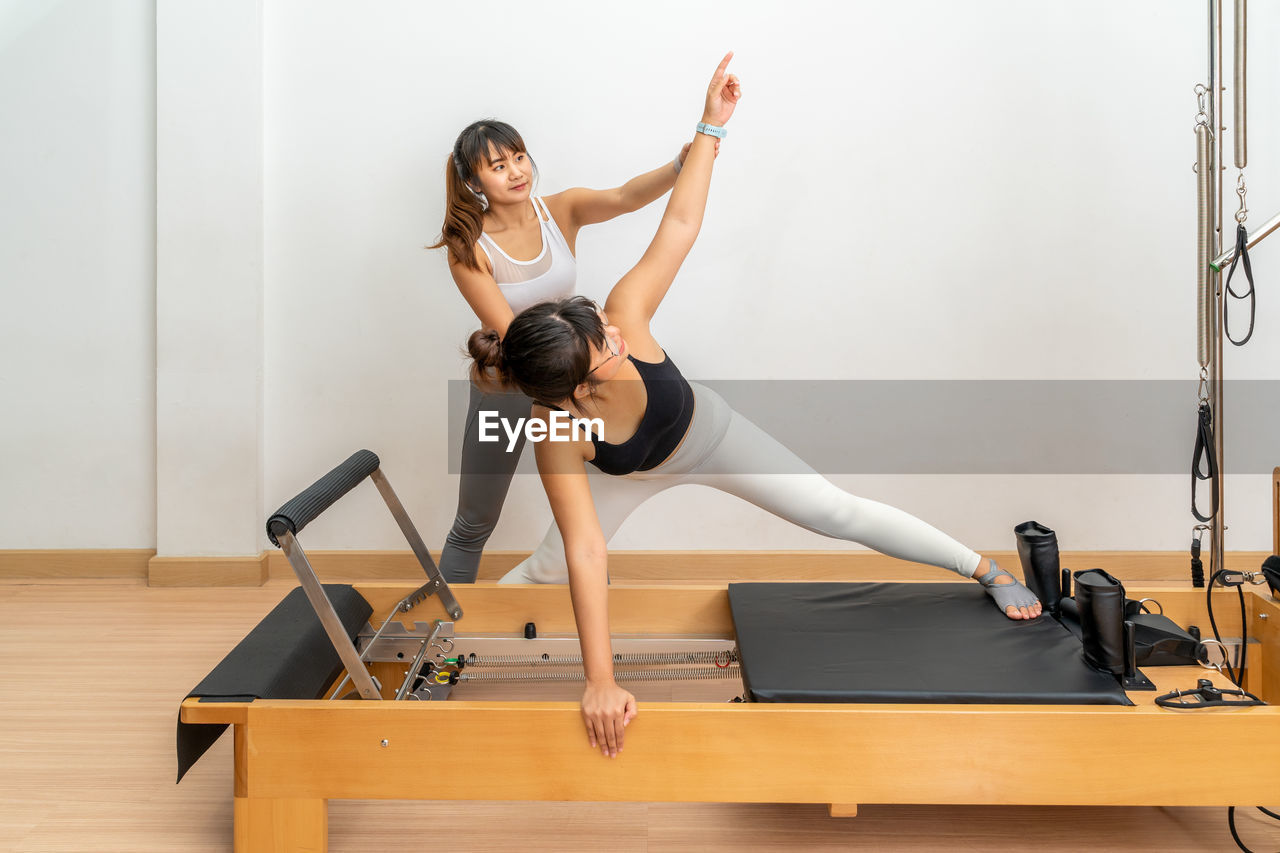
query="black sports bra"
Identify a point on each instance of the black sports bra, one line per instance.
(666, 419)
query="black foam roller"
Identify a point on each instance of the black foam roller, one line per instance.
(320, 495)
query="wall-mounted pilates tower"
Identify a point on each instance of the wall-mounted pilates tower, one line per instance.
(1215, 255)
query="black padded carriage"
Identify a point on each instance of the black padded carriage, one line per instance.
(908, 643)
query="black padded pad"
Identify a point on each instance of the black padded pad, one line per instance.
(905, 642)
(287, 656)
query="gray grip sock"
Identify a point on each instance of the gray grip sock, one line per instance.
(1005, 594)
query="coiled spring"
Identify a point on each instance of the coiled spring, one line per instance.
(698, 673)
(720, 658)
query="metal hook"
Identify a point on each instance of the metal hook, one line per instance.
(1197, 532)
(1243, 213)
(1208, 664)
(1202, 107)
(1203, 391)
(1143, 605)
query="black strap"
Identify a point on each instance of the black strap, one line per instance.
(1197, 565)
(1205, 695)
(1204, 463)
(1242, 253)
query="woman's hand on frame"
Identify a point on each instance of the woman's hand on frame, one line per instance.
(606, 711)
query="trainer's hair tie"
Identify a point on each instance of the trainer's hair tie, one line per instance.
(480, 197)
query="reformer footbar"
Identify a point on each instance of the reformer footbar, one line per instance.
(288, 521)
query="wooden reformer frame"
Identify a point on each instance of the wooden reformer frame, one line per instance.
(292, 756)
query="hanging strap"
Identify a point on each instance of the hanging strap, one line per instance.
(1242, 253)
(1204, 463)
(1197, 565)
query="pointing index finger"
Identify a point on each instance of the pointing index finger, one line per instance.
(723, 64)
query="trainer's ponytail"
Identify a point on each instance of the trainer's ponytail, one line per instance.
(464, 208)
(463, 218)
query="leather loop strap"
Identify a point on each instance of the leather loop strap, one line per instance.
(1242, 253)
(1204, 463)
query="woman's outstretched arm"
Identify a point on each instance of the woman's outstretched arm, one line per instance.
(587, 207)
(640, 292)
(606, 707)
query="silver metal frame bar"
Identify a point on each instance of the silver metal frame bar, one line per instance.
(1216, 385)
(1239, 58)
(1224, 260)
(351, 659)
(417, 661)
(437, 583)
(364, 656)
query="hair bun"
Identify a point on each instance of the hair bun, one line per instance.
(485, 348)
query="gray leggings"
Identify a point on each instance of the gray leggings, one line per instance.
(727, 452)
(487, 469)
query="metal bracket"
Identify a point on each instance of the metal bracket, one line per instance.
(437, 583)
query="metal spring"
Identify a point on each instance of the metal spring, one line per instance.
(700, 673)
(1241, 137)
(1204, 244)
(718, 658)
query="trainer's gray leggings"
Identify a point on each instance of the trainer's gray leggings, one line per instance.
(725, 451)
(487, 469)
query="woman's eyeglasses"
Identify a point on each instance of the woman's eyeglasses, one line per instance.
(613, 353)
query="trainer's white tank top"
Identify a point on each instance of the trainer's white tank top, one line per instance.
(551, 275)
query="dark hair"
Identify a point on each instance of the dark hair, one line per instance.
(464, 213)
(546, 352)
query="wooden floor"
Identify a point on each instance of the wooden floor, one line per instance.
(91, 674)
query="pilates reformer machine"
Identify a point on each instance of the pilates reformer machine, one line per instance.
(837, 693)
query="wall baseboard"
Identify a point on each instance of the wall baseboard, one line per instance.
(101, 563)
(207, 571)
(625, 566)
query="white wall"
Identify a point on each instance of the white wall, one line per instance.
(77, 274)
(902, 185)
(209, 278)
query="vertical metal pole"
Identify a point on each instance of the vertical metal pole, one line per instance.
(1239, 59)
(1216, 384)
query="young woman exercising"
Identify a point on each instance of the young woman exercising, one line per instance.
(492, 225)
(662, 431)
